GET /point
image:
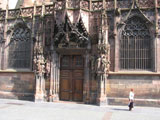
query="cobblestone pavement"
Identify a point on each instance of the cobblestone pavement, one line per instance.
(25, 110)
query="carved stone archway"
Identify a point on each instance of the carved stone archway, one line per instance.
(69, 39)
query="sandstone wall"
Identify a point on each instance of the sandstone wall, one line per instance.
(146, 88)
(17, 85)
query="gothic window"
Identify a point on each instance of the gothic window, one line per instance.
(135, 45)
(20, 48)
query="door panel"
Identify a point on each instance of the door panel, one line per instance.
(71, 80)
(78, 85)
(65, 84)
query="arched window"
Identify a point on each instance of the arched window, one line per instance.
(20, 47)
(135, 45)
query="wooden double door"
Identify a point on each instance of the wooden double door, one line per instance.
(71, 77)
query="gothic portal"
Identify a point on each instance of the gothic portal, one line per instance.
(90, 51)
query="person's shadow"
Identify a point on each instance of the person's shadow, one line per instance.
(120, 109)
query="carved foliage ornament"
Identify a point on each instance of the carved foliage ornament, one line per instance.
(70, 36)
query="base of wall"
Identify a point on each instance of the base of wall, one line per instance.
(53, 98)
(102, 101)
(17, 96)
(40, 97)
(138, 102)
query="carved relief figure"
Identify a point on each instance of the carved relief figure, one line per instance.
(39, 60)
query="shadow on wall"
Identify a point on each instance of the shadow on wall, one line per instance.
(22, 89)
(19, 86)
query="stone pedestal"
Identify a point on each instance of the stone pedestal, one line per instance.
(101, 95)
(39, 97)
(40, 89)
(102, 101)
(54, 98)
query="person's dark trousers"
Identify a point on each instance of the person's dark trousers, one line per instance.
(130, 105)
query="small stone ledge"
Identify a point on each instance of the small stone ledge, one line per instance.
(140, 73)
(16, 71)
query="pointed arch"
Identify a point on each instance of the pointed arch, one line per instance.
(71, 35)
(132, 13)
(135, 45)
(81, 25)
(19, 55)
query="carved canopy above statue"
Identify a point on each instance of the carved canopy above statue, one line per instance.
(69, 35)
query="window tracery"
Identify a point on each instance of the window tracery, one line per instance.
(20, 47)
(135, 45)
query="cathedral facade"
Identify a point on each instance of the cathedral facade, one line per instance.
(90, 51)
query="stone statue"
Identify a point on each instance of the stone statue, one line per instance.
(102, 63)
(39, 60)
(98, 65)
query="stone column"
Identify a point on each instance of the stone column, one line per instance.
(40, 89)
(102, 62)
(40, 81)
(90, 5)
(156, 41)
(5, 41)
(1, 55)
(86, 84)
(102, 70)
(39, 60)
(33, 31)
(101, 95)
(66, 4)
(57, 77)
(54, 81)
(116, 57)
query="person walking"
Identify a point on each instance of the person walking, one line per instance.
(131, 99)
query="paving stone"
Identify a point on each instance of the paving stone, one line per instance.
(25, 110)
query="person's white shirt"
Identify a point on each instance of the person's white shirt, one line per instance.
(131, 95)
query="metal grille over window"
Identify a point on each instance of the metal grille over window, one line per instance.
(135, 45)
(20, 48)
